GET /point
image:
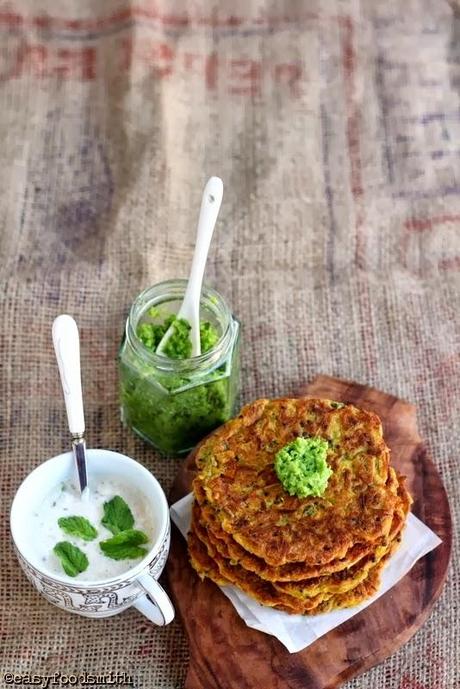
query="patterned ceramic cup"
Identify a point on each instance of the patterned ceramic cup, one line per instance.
(138, 586)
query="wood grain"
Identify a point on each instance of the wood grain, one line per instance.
(225, 654)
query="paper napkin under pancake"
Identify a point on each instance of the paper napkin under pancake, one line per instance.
(296, 632)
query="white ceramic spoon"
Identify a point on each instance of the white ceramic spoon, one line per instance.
(67, 347)
(190, 308)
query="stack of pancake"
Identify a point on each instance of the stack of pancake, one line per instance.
(302, 555)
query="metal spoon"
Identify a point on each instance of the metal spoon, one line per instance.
(190, 308)
(67, 347)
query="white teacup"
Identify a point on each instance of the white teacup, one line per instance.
(136, 587)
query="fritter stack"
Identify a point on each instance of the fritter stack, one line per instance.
(302, 555)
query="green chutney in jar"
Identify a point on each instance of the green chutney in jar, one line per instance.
(172, 399)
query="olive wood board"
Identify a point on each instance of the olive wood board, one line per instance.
(226, 654)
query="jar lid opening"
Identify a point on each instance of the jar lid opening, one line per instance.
(172, 291)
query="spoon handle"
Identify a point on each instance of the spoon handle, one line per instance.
(67, 347)
(210, 206)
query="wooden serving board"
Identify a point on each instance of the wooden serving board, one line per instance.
(226, 654)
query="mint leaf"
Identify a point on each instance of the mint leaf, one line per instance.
(73, 560)
(117, 515)
(78, 526)
(125, 545)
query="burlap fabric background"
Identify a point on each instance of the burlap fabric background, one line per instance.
(335, 126)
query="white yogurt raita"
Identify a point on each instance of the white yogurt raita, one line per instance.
(65, 501)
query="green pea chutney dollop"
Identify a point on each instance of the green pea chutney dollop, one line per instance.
(179, 345)
(302, 468)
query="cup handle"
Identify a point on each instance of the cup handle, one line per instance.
(155, 604)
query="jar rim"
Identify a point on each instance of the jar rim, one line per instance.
(172, 290)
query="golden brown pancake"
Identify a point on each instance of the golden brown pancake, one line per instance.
(236, 473)
(301, 555)
(202, 562)
(265, 593)
(229, 548)
(315, 589)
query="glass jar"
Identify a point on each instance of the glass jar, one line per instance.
(173, 403)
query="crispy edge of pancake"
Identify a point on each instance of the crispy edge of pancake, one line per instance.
(263, 593)
(346, 580)
(364, 590)
(295, 570)
(267, 594)
(311, 594)
(229, 548)
(330, 550)
(286, 568)
(202, 563)
(322, 586)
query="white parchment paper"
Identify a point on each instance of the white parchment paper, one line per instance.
(299, 631)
